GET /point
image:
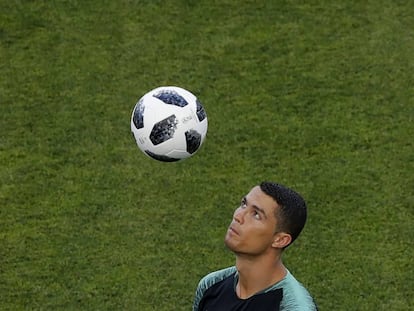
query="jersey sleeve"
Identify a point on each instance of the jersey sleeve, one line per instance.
(208, 281)
(295, 296)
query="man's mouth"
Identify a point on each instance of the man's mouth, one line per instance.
(232, 230)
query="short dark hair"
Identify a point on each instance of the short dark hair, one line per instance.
(291, 214)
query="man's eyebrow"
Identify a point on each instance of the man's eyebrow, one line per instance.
(256, 208)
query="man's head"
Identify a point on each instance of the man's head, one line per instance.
(269, 217)
(291, 212)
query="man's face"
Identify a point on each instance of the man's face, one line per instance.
(252, 230)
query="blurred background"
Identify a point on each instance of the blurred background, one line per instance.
(316, 95)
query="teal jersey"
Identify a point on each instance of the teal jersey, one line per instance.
(216, 291)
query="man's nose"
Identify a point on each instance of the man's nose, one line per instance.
(239, 215)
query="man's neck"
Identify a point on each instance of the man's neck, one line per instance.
(257, 274)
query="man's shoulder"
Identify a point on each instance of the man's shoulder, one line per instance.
(295, 295)
(210, 280)
(215, 277)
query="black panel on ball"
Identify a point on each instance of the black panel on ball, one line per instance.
(163, 130)
(162, 158)
(193, 139)
(201, 113)
(171, 97)
(138, 117)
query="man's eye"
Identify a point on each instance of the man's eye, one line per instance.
(256, 215)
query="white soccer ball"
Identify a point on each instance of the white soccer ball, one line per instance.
(169, 124)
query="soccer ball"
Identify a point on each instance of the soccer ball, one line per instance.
(169, 124)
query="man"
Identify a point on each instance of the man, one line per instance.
(269, 218)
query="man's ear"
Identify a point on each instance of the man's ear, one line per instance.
(281, 240)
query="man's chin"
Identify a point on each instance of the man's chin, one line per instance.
(229, 243)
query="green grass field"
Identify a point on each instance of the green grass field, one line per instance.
(317, 95)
